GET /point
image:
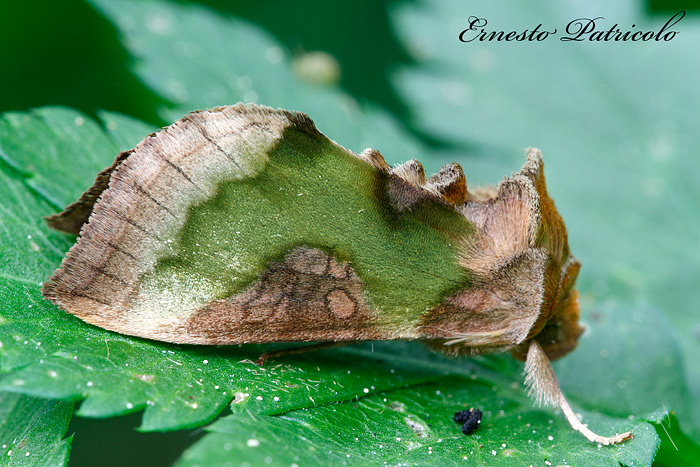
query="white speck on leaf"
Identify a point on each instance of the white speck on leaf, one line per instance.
(239, 397)
(418, 426)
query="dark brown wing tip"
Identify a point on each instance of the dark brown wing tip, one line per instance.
(75, 215)
(69, 220)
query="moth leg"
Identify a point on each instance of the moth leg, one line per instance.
(544, 388)
(297, 350)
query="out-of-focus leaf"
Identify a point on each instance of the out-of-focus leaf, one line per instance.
(198, 59)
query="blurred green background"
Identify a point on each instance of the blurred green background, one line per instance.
(600, 105)
(68, 54)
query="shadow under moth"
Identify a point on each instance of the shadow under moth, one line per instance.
(245, 224)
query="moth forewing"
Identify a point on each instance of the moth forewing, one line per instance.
(245, 224)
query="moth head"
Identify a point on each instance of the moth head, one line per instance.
(557, 330)
(520, 273)
(557, 327)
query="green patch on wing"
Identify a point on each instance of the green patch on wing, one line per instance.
(317, 194)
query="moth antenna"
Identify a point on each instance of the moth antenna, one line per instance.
(544, 389)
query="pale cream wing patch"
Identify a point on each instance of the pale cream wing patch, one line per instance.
(136, 219)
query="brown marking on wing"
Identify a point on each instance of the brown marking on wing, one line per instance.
(550, 231)
(71, 219)
(411, 171)
(560, 334)
(503, 228)
(339, 270)
(340, 303)
(309, 296)
(404, 195)
(375, 159)
(406, 186)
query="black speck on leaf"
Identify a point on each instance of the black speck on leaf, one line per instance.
(470, 420)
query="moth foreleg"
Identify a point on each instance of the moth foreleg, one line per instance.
(544, 388)
(297, 350)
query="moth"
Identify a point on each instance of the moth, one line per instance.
(245, 224)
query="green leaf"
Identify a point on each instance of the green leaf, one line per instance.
(637, 350)
(125, 132)
(618, 131)
(676, 448)
(414, 426)
(32, 430)
(49, 353)
(596, 393)
(43, 139)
